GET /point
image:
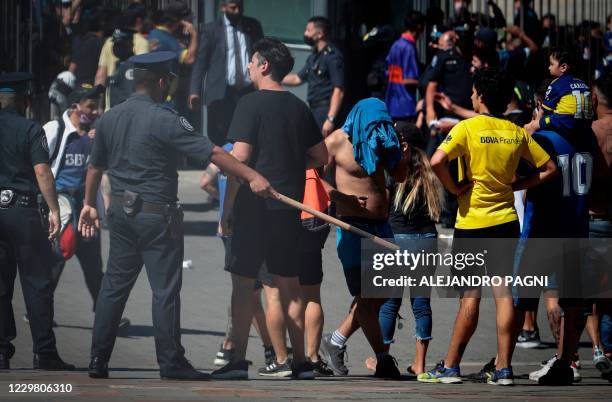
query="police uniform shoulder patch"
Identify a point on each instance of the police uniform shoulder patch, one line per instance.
(185, 124)
(44, 143)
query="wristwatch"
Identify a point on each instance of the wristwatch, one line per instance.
(331, 119)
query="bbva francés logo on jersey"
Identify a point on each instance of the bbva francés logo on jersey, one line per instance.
(487, 139)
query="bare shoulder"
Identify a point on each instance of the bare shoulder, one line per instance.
(335, 140)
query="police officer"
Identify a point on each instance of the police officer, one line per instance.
(24, 243)
(139, 143)
(324, 73)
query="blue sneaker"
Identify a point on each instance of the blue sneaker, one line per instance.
(441, 374)
(502, 377)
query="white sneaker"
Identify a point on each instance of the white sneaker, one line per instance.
(601, 362)
(574, 367)
(535, 375)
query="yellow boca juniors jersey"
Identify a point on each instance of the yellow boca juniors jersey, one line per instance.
(490, 149)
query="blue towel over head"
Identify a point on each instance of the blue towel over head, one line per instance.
(370, 128)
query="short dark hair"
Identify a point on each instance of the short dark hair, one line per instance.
(564, 56)
(321, 23)
(495, 88)
(487, 56)
(414, 21)
(277, 55)
(604, 88)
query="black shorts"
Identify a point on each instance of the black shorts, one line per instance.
(264, 235)
(499, 254)
(313, 235)
(263, 276)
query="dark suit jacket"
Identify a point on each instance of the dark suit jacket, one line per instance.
(211, 63)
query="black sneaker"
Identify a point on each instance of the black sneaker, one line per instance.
(184, 373)
(485, 374)
(387, 368)
(223, 356)
(333, 355)
(528, 340)
(276, 369)
(269, 355)
(232, 371)
(320, 368)
(302, 371)
(558, 375)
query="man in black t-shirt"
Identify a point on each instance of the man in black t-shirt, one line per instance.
(275, 133)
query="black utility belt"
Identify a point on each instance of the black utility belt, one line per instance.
(133, 206)
(319, 103)
(11, 198)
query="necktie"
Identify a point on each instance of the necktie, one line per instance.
(238, 60)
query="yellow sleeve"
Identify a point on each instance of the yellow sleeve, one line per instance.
(183, 56)
(141, 45)
(106, 54)
(533, 152)
(455, 143)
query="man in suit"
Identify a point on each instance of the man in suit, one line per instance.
(223, 55)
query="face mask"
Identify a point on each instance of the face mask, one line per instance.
(309, 41)
(85, 120)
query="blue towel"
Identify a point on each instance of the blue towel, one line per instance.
(370, 128)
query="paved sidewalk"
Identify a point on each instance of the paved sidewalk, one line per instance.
(205, 296)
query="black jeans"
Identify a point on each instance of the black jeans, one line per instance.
(89, 253)
(142, 239)
(24, 246)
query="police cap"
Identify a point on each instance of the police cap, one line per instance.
(158, 63)
(14, 82)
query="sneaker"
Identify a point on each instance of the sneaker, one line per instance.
(232, 371)
(441, 374)
(485, 374)
(557, 375)
(223, 356)
(575, 367)
(502, 377)
(320, 368)
(602, 363)
(536, 375)
(334, 355)
(276, 369)
(547, 361)
(576, 360)
(303, 371)
(387, 368)
(528, 339)
(269, 355)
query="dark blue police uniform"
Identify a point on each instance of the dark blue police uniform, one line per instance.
(140, 142)
(323, 71)
(23, 235)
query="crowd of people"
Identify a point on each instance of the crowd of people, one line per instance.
(503, 134)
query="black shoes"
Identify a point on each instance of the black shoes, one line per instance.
(184, 373)
(4, 362)
(333, 356)
(98, 368)
(387, 368)
(51, 361)
(558, 375)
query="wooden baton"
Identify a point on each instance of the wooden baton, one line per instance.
(337, 222)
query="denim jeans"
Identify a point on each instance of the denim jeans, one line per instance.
(421, 309)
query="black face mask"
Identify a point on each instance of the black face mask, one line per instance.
(234, 19)
(309, 41)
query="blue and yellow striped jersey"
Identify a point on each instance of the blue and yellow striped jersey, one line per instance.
(567, 106)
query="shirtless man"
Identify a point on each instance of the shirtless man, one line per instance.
(362, 201)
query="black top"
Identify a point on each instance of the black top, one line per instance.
(139, 142)
(280, 127)
(418, 221)
(452, 73)
(24, 145)
(323, 72)
(85, 56)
